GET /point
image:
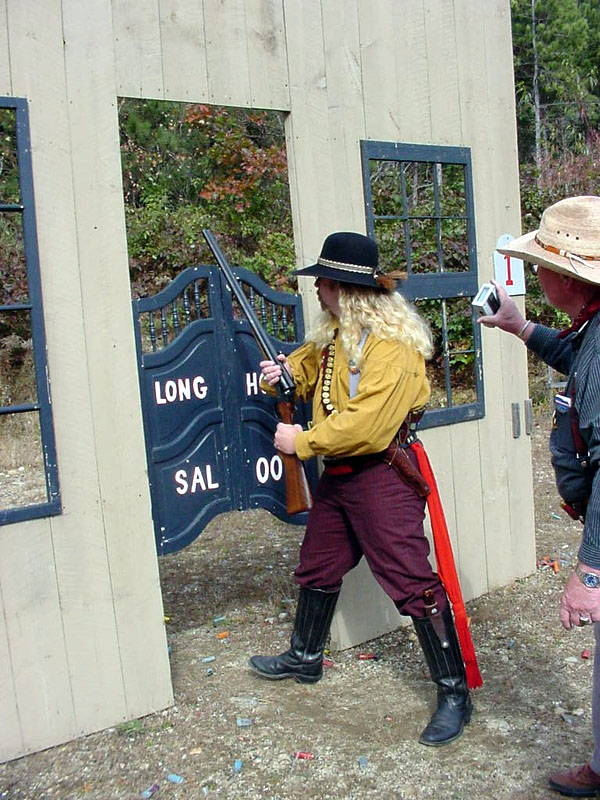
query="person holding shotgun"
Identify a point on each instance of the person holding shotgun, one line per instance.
(364, 368)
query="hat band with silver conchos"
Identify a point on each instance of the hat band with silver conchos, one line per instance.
(326, 262)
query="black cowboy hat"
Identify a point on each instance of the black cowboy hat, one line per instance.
(350, 258)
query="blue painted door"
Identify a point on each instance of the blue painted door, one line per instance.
(208, 426)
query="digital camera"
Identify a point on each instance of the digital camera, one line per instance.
(486, 301)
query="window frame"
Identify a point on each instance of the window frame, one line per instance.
(42, 406)
(439, 285)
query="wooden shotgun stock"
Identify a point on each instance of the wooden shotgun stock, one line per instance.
(297, 491)
(298, 497)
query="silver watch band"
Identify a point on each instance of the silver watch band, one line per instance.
(589, 579)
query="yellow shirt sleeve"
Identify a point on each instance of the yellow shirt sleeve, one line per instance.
(304, 363)
(392, 383)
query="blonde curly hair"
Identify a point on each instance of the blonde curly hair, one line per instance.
(387, 315)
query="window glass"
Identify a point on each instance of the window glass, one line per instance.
(419, 210)
(16, 359)
(13, 267)
(22, 474)
(10, 191)
(28, 469)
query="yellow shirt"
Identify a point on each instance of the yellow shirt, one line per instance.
(392, 383)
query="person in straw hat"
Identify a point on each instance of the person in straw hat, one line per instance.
(565, 250)
(363, 365)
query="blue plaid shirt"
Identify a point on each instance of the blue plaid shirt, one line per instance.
(578, 357)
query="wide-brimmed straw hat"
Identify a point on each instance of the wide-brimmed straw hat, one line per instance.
(567, 241)
(351, 258)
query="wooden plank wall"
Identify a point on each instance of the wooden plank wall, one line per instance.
(81, 606)
(81, 600)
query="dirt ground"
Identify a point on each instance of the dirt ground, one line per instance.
(362, 721)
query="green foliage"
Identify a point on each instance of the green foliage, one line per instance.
(162, 242)
(567, 44)
(458, 317)
(568, 55)
(435, 223)
(390, 181)
(570, 174)
(131, 729)
(13, 273)
(274, 259)
(186, 167)
(9, 170)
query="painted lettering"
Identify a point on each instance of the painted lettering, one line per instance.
(266, 469)
(160, 400)
(209, 478)
(184, 389)
(200, 387)
(509, 280)
(276, 467)
(180, 390)
(181, 481)
(251, 383)
(262, 470)
(198, 480)
(201, 480)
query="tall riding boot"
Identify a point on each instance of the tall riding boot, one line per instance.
(304, 660)
(444, 659)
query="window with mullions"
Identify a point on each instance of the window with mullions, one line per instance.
(28, 471)
(419, 209)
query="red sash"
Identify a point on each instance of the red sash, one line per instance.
(447, 569)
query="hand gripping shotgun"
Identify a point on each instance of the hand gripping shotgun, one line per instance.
(297, 490)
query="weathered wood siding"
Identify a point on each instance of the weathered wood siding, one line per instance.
(82, 641)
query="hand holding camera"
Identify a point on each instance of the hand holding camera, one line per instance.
(497, 309)
(486, 301)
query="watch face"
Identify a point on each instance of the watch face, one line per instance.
(591, 581)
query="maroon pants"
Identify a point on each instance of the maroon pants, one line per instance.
(375, 514)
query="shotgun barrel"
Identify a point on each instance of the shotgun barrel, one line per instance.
(298, 497)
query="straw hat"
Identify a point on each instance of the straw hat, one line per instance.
(351, 258)
(567, 241)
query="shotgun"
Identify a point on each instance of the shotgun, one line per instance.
(297, 490)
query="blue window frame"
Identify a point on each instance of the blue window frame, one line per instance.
(419, 209)
(28, 469)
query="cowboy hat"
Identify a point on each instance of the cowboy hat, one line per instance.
(350, 258)
(567, 241)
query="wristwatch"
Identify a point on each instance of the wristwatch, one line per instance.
(589, 579)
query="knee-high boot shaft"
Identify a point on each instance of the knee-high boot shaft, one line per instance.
(447, 670)
(313, 621)
(304, 660)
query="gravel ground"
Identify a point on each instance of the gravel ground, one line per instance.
(362, 721)
(21, 487)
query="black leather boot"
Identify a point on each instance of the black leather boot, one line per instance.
(304, 660)
(448, 672)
